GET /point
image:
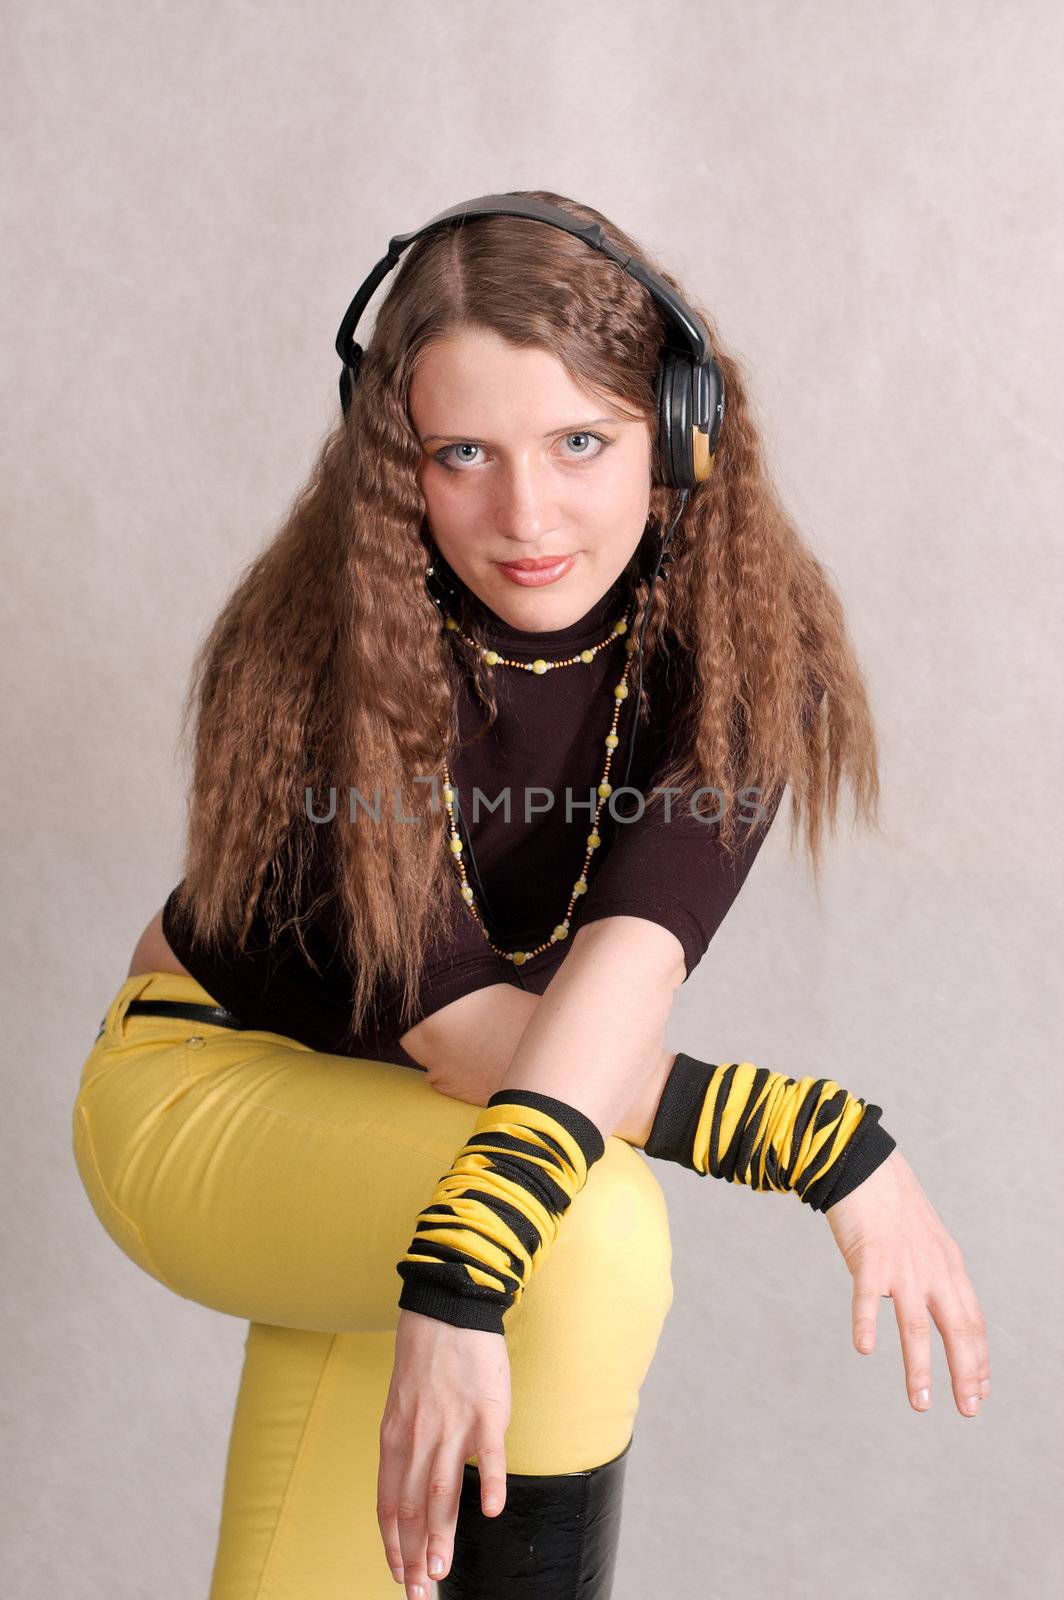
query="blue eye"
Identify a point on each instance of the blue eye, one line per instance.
(603, 442)
(441, 455)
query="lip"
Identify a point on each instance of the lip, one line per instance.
(547, 570)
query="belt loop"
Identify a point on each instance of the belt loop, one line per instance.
(116, 1015)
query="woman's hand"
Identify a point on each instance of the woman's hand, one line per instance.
(449, 1398)
(894, 1244)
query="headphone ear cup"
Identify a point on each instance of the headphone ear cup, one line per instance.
(349, 375)
(664, 443)
(716, 403)
(686, 452)
(675, 411)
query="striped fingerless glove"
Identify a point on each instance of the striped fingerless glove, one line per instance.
(481, 1236)
(752, 1126)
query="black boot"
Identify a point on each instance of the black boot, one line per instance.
(555, 1539)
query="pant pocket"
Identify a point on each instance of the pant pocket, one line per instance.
(122, 1229)
(110, 1045)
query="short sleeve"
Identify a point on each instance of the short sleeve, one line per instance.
(676, 872)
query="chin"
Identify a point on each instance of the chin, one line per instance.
(537, 614)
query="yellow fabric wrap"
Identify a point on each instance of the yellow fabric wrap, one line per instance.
(480, 1238)
(747, 1125)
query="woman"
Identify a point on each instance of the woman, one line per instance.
(244, 1127)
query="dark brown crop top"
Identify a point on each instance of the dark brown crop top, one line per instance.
(549, 736)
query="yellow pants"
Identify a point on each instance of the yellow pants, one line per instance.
(261, 1178)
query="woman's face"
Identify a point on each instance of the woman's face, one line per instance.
(520, 462)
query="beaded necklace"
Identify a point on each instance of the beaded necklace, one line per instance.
(539, 666)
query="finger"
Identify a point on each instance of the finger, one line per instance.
(960, 1341)
(914, 1329)
(410, 1516)
(491, 1465)
(864, 1311)
(389, 1480)
(974, 1312)
(444, 1490)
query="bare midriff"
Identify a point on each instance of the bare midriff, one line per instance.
(153, 952)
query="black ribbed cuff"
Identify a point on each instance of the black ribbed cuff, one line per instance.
(868, 1149)
(672, 1136)
(460, 1310)
(583, 1130)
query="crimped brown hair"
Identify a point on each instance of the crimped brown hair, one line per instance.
(328, 668)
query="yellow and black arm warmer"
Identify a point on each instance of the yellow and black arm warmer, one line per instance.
(482, 1235)
(748, 1125)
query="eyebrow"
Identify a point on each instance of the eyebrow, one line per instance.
(575, 427)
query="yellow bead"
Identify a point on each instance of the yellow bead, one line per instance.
(561, 931)
(629, 645)
(451, 623)
(448, 792)
(621, 692)
(593, 841)
(612, 741)
(518, 958)
(605, 790)
(587, 655)
(491, 657)
(456, 847)
(539, 665)
(467, 894)
(620, 627)
(580, 886)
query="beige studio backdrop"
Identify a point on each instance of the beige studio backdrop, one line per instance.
(867, 196)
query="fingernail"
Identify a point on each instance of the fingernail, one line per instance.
(923, 1398)
(435, 1566)
(971, 1405)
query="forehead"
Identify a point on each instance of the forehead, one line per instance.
(479, 373)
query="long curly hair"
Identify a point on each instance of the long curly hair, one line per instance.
(328, 665)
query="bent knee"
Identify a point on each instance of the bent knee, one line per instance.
(616, 1233)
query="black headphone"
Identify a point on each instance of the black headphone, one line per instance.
(688, 388)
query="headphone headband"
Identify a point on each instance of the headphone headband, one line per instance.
(504, 205)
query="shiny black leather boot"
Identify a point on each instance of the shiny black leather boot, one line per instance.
(555, 1539)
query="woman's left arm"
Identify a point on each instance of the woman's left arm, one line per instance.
(892, 1240)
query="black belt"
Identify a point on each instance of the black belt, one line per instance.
(188, 1009)
(217, 1015)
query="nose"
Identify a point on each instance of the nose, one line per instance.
(526, 509)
